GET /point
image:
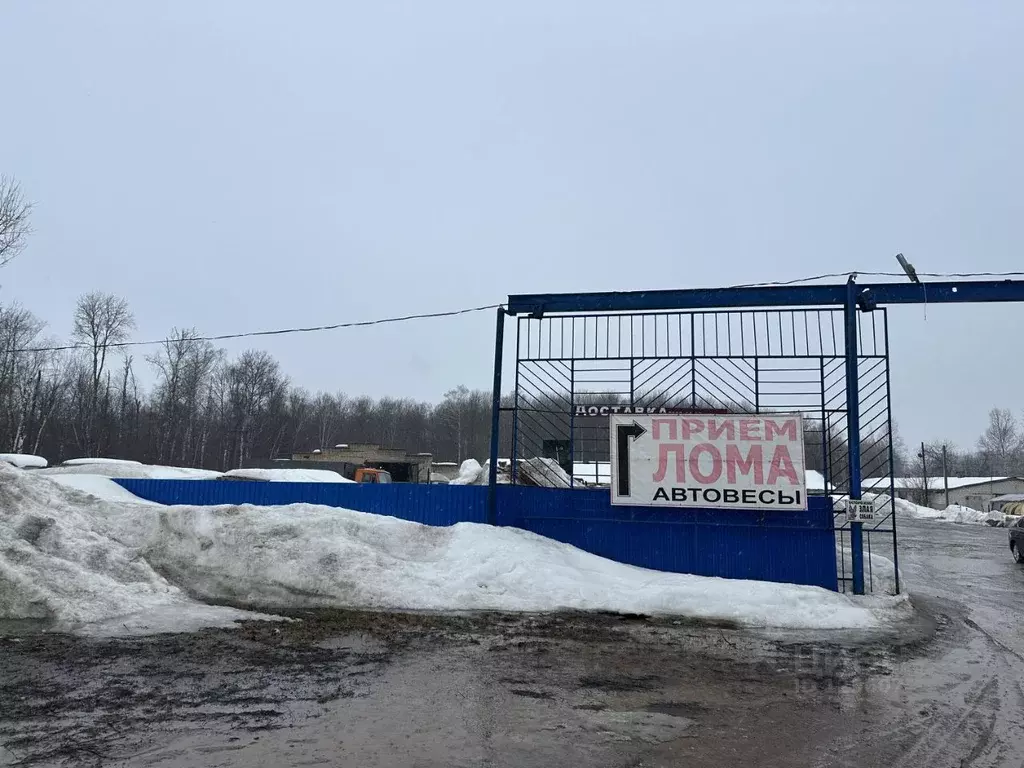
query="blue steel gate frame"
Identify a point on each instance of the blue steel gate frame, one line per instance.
(738, 361)
(854, 375)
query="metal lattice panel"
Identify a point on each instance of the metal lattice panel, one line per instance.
(570, 367)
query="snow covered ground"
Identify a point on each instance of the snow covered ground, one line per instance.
(110, 468)
(290, 475)
(128, 469)
(93, 564)
(93, 476)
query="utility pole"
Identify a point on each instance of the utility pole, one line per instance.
(945, 474)
(924, 473)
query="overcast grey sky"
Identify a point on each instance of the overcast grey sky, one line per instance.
(242, 165)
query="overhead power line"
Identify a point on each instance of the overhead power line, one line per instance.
(860, 273)
(796, 280)
(275, 332)
(469, 310)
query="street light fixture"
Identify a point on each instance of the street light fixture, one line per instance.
(908, 268)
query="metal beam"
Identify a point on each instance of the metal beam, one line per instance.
(970, 291)
(853, 432)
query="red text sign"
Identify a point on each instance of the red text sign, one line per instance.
(701, 460)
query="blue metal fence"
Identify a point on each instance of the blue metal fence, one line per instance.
(796, 547)
(428, 504)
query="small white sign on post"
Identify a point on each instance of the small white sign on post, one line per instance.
(730, 461)
(859, 511)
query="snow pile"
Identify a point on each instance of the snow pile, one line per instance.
(291, 475)
(100, 487)
(910, 509)
(879, 571)
(93, 566)
(24, 460)
(93, 476)
(471, 473)
(129, 469)
(99, 460)
(305, 556)
(955, 513)
(883, 504)
(64, 560)
(815, 481)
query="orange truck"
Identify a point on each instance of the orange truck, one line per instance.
(370, 475)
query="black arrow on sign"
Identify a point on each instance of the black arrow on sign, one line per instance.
(622, 434)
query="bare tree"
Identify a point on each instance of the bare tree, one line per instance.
(185, 365)
(256, 392)
(1002, 443)
(19, 371)
(102, 322)
(463, 424)
(49, 397)
(14, 219)
(453, 413)
(327, 414)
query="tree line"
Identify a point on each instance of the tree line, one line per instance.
(204, 408)
(998, 452)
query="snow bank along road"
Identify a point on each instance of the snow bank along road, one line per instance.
(90, 560)
(498, 689)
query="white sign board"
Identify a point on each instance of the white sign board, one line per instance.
(729, 461)
(859, 511)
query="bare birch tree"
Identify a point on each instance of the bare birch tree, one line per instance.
(15, 227)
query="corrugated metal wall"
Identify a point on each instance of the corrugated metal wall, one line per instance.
(421, 503)
(795, 547)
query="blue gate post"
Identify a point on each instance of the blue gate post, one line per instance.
(853, 432)
(492, 478)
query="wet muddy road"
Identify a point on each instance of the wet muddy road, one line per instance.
(962, 703)
(383, 690)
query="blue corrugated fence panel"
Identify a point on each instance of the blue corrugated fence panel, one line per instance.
(796, 547)
(428, 504)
